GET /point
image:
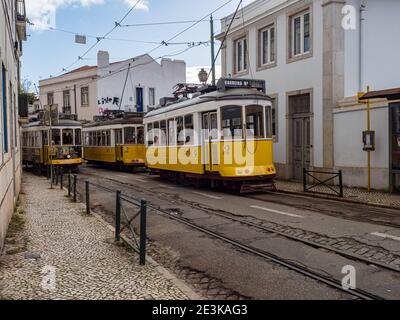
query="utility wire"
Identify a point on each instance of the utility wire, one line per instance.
(101, 38)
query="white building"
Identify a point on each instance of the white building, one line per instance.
(13, 31)
(131, 85)
(315, 58)
(136, 84)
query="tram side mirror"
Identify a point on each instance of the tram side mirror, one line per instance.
(369, 140)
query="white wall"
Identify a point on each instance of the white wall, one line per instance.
(380, 48)
(10, 169)
(144, 73)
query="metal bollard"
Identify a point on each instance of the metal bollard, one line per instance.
(87, 197)
(304, 179)
(143, 218)
(341, 183)
(118, 216)
(69, 185)
(57, 175)
(75, 188)
(61, 179)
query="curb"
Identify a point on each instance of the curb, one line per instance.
(326, 197)
(180, 284)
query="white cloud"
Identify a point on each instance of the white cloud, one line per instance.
(42, 13)
(192, 73)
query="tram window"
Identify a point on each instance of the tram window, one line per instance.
(68, 137)
(268, 123)
(254, 122)
(179, 131)
(45, 138)
(171, 132)
(163, 132)
(56, 137)
(232, 122)
(156, 129)
(98, 138)
(106, 140)
(189, 127)
(140, 135)
(86, 137)
(130, 136)
(37, 139)
(78, 137)
(150, 140)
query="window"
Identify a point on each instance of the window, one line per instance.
(179, 131)
(85, 96)
(267, 45)
(232, 122)
(140, 135)
(66, 102)
(254, 122)
(189, 127)
(241, 55)
(156, 129)
(130, 135)
(268, 126)
(67, 137)
(274, 118)
(56, 137)
(150, 140)
(163, 133)
(50, 98)
(78, 137)
(171, 132)
(152, 96)
(4, 108)
(300, 34)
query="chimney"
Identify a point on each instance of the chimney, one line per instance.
(103, 59)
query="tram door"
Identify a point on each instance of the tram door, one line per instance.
(118, 145)
(210, 143)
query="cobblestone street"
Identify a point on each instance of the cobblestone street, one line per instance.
(54, 251)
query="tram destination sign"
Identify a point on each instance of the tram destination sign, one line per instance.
(51, 112)
(228, 83)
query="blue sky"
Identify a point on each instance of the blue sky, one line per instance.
(47, 52)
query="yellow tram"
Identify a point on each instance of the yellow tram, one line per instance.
(117, 141)
(66, 138)
(220, 136)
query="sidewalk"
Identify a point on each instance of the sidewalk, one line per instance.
(54, 251)
(374, 197)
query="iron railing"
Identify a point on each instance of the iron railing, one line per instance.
(327, 183)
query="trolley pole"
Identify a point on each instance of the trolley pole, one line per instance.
(212, 50)
(369, 129)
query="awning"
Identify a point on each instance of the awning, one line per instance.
(390, 94)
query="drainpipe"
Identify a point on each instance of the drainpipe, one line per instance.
(76, 108)
(360, 51)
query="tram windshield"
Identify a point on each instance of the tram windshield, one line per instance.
(254, 122)
(67, 137)
(130, 135)
(78, 137)
(232, 122)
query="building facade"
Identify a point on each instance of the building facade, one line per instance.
(316, 55)
(74, 92)
(13, 32)
(131, 85)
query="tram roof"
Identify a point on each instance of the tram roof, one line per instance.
(128, 120)
(61, 123)
(232, 94)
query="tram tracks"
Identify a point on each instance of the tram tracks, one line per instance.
(241, 245)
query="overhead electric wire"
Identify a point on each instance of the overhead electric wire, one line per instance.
(226, 34)
(101, 38)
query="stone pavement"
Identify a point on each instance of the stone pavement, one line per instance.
(374, 197)
(55, 251)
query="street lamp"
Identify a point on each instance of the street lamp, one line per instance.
(203, 76)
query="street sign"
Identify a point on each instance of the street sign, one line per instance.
(80, 39)
(51, 112)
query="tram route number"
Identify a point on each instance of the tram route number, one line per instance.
(202, 310)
